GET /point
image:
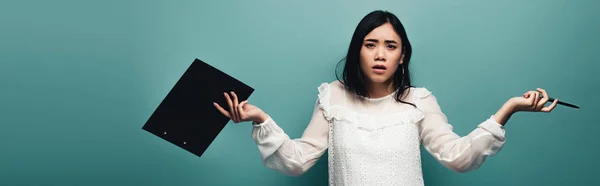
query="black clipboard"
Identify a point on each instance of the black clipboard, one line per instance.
(187, 117)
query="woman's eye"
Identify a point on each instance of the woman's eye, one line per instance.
(369, 45)
(392, 47)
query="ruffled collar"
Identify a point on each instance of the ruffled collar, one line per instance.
(365, 121)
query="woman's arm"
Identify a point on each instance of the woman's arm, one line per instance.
(467, 153)
(278, 151)
(291, 156)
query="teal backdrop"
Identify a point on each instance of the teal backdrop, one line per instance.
(78, 79)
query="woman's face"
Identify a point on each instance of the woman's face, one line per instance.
(380, 54)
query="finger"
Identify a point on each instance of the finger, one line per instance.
(231, 111)
(241, 106)
(544, 93)
(536, 98)
(530, 94)
(530, 97)
(222, 110)
(551, 107)
(235, 106)
(241, 112)
(543, 100)
(527, 94)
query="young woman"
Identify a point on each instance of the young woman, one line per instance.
(372, 122)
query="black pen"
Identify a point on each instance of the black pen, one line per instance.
(551, 99)
(563, 103)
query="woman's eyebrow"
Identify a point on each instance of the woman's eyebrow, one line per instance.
(386, 41)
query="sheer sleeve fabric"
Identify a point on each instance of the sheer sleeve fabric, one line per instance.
(460, 154)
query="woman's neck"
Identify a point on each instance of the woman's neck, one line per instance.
(378, 90)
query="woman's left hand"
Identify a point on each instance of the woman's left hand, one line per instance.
(531, 102)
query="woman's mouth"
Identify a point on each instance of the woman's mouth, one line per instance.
(379, 69)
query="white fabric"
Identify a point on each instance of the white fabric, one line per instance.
(375, 141)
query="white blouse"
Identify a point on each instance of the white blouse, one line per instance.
(375, 141)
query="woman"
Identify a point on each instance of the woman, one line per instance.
(373, 121)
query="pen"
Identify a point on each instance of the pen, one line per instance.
(550, 99)
(563, 103)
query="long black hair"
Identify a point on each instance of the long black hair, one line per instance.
(353, 77)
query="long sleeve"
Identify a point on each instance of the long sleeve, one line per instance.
(460, 154)
(292, 156)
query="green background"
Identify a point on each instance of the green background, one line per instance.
(78, 79)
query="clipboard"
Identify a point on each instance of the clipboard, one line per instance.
(186, 117)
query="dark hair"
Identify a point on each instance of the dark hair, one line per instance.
(353, 77)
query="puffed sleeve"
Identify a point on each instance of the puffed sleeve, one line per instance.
(460, 154)
(292, 157)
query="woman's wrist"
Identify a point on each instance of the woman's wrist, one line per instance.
(504, 113)
(261, 118)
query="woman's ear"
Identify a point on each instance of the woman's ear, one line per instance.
(401, 59)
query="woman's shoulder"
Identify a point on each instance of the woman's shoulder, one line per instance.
(332, 93)
(333, 87)
(336, 84)
(420, 91)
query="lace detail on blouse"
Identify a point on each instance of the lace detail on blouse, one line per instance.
(369, 149)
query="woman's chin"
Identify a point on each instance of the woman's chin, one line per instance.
(379, 79)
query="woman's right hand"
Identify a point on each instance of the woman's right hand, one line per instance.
(240, 112)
